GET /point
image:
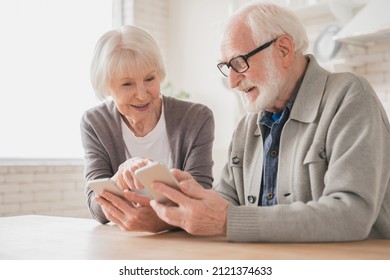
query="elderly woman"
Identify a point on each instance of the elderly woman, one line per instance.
(136, 125)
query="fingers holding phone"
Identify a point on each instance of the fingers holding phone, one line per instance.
(125, 176)
(128, 209)
(156, 172)
(137, 198)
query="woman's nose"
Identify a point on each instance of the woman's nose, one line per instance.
(141, 91)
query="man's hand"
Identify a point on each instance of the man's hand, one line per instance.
(198, 211)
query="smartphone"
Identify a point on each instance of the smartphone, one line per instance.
(156, 171)
(106, 184)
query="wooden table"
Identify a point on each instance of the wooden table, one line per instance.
(46, 237)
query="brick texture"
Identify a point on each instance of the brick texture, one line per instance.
(42, 189)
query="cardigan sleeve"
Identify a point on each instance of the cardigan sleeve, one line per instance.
(97, 165)
(190, 128)
(199, 161)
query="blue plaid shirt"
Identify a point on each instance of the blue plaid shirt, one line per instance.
(273, 124)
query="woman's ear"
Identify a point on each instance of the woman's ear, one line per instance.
(285, 47)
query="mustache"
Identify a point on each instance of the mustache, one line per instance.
(244, 85)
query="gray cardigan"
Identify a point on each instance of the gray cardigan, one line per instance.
(333, 179)
(190, 129)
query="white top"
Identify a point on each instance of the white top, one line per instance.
(154, 145)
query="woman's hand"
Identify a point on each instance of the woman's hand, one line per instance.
(129, 217)
(124, 177)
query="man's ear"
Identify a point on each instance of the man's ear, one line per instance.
(285, 47)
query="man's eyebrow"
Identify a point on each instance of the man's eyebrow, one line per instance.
(232, 55)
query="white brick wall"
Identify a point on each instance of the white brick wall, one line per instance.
(48, 189)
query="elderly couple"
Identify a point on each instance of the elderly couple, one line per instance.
(309, 162)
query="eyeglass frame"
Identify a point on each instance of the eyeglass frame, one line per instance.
(244, 57)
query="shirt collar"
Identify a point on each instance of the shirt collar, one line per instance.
(268, 118)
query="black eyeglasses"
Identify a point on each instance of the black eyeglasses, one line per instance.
(240, 63)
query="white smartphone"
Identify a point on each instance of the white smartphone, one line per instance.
(106, 184)
(153, 172)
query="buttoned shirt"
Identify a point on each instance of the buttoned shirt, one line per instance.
(273, 125)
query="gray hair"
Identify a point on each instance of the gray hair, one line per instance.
(128, 49)
(268, 21)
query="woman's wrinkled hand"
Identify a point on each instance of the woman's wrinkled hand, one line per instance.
(124, 177)
(132, 213)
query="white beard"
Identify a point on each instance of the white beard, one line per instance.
(268, 91)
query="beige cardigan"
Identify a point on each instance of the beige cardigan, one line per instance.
(333, 179)
(190, 129)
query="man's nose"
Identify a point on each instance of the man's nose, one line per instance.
(234, 78)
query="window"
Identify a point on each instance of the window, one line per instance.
(45, 54)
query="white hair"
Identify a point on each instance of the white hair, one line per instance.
(128, 49)
(268, 21)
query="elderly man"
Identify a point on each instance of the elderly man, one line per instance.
(310, 162)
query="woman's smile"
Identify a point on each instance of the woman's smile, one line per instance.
(141, 107)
